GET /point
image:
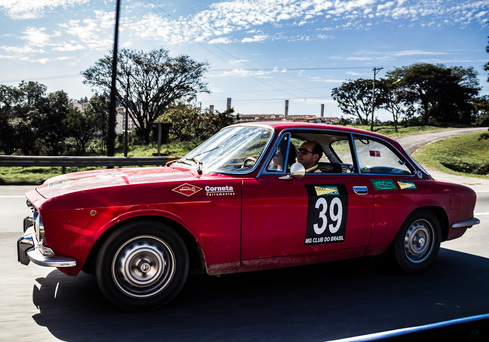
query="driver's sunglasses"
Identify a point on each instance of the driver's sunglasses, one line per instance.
(303, 151)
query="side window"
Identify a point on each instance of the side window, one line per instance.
(376, 157)
(283, 156)
(343, 153)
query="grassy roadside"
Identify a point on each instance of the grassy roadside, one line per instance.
(36, 175)
(464, 155)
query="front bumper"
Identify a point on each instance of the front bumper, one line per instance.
(30, 249)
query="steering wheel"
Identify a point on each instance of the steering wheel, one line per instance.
(247, 159)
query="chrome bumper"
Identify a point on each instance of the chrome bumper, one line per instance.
(30, 249)
(466, 224)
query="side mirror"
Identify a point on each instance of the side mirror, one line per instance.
(297, 170)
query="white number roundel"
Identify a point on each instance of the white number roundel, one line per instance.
(336, 218)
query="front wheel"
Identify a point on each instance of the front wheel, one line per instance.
(416, 245)
(142, 266)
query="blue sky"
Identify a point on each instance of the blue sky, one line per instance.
(260, 52)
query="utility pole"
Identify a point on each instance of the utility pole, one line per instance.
(111, 133)
(376, 70)
(126, 117)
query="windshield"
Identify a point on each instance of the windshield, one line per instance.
(233, 149)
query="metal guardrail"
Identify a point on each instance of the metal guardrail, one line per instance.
(82, 161)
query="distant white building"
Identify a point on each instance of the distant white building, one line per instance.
(120, 117)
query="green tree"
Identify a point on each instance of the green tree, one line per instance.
(393, 98)
(481, 109)
(23, 117)
(149, 83)
(486, 66)
(187, 122)
(190, 123)
(355, 98)
(218, 120)
(83, 127)
(439, 93)
(55, 130)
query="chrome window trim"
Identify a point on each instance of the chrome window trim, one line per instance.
(324, 130)
(263, 169)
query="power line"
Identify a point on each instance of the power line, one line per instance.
(251, 67)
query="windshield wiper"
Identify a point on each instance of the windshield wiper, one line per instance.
(198, 162)
(181, 161)
(201, 153)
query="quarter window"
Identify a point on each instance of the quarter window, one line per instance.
(376, 157)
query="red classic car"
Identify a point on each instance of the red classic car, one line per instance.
(240, 202)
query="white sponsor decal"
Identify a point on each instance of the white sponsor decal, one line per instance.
(219, 190)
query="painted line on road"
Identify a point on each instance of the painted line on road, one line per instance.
(481, 214)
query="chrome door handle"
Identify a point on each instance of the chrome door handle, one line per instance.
(360, 190)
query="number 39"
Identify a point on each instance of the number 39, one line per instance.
(336, 205)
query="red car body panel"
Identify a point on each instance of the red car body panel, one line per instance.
(244, 222)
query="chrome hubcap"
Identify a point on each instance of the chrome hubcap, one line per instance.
(418, 241)
(143, 266)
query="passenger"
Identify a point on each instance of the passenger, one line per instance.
(277, 162)
(309, 154)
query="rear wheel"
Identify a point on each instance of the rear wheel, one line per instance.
(417, 243)
(142, 266)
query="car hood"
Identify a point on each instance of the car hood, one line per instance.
(90, 180)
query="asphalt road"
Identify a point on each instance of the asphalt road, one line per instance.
(311, 303)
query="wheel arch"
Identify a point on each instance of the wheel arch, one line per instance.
(442, 219)
(196, 255)
(440, 214)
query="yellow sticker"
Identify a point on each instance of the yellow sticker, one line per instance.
(326, 190)
(406, 185)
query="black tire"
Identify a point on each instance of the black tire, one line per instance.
(417, 243)
(142, 266)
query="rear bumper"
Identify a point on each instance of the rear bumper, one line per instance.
(466, 224)
(30, 249)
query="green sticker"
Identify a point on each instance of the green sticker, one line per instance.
(384, 184)
(365, 169)
(406, 185)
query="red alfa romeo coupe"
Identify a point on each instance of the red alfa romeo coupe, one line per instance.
(241, 202)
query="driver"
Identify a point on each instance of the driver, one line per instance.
(309, 154)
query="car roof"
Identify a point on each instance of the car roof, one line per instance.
(284, 125)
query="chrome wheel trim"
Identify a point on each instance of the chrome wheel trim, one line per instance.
(418, 241)
(143, 266)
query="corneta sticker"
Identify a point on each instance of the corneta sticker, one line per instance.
(219, 190)
(187, 189)
(327, 212)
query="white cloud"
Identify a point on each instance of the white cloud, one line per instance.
(254, 39)
(29, 9)
(36, 36)
(221, 40)
(94, 33)
(224, 18)
(417, 52)
(69, 47)
(21, 50)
